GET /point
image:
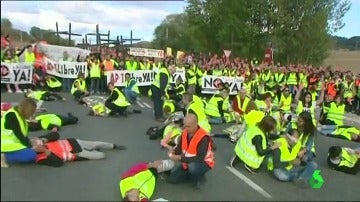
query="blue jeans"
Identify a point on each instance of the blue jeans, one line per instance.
(67, 83)
(95, 85)
(26, 155)
(215, 120)
(130, 95)
(194, 173)
(327, 129)
(299, 172)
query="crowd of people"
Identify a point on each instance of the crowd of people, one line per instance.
(274, 111)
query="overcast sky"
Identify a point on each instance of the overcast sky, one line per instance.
(117, 16)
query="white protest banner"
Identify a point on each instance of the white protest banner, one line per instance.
(144, 52)
(143, 77)
(211, 83)
(65, 69)
(17, 73)
(55, 53)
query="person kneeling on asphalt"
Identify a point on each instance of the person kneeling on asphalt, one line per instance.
(117, 102)
(196, 156)
(55, 152)
(285, 161)
(43, 95)
(344, 159)
(52, 122)
(139, 182)
(78, 89)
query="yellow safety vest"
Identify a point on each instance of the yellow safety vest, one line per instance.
(95, 71)
(229, 116)
(300, 108)
(211, 108)
(156, 81)
(53, 83)
(145, 67)
(245, 149)
(47, 119)
(170, 104)
(199, 111)
(144, 181)
(180, 86)
(347, 159)
(29, 57)
(9, 141)
(291, 80)
(36, 95)
(336, 113)
(244, 104)
(278, 78)
(131, 65)
(121, 99)
(286, 103)
(100, 108)
(82, 86)
(191, 76)
(346, 132)
(216, 72)
(173, 129)
(253, 117)
(286, 155)
(135, 87)
(348, 93)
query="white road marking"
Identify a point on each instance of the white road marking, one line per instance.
(139, 103)
(147, 105)
(249, 182)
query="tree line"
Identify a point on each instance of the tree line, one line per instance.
(35, 34)
(299, 31)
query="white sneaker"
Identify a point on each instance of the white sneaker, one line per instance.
(3, 161)
(10, 91)
(19, 91)
(25, 90)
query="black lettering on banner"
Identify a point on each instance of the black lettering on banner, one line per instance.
(20, 75)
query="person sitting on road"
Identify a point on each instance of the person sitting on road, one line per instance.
(117, 102)
(43, 95)
(78, 88)
(214, 108)
(54, 152)
(344, 159)
(196, 156)
(171, 133)
(51, 122)
(52, 83)
(131, 89)
(139, 182)
(253, 146)
(286, 165)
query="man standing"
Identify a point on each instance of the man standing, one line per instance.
(158, 89)
(194, 151)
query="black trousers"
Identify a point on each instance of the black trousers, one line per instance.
(51, 96)
(158, 102)
(65, 120)
(114, 109)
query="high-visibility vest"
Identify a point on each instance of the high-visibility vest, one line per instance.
(9, 142)
(199, 111)
(263, 107)
(199, 101)
(216, 72)
(300, 108)
(170, 104)
(245, 149)
(265, 77)
(242, 106)
(292, 79)
(144, 181)
(47, 119)
(278, 78)
(211, 108)
(348, 93)
(345, 132)
(314, 95)
(135, 87)
(229, 115)
(156, 81)
(200, 75)
(95, 70)
(100, 108)
(286, 155)
(180, 89)
(189, 149)
(253, 117)
(303, 79)
(347, 159)
(121, 99)
(109, 65)
(303, 139)
(144, 66)
(60, 148)
(36, 95)
(173, 129)
(191, 76)
(286, 103)
(336, 113)
(131, 65)
(29, 57)
(53, 83)
(82, 86)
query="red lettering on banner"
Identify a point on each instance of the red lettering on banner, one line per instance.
(114, 77)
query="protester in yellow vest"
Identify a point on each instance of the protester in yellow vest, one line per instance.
(79, 89)
(99, 110)
(344, 159)
(43, 95)
(52, 83)
(131, 64)
(51, 122)
(16, 147)
(131, 89)
(214, 108)
(139, 182)
(285, 100)
(171, 133)
(117, 102)
(240, 104)
(253, 145)
(95, 76)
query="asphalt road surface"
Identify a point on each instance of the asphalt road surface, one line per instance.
(99, 180)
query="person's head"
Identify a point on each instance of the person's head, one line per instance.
(335, 152)
(268, 97)
(242, 93)
(27, 108)
(81, 76)
(111, 86)
(191, 123)
(307, 98)
(286, 91)
(339, 99)
(267, 124)
(292, 137)
(305, 123)
(167, 110)
(108, 57)
(132, 195)
(127, 77)
(30, 49)
(187, 98)
(172, 69)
